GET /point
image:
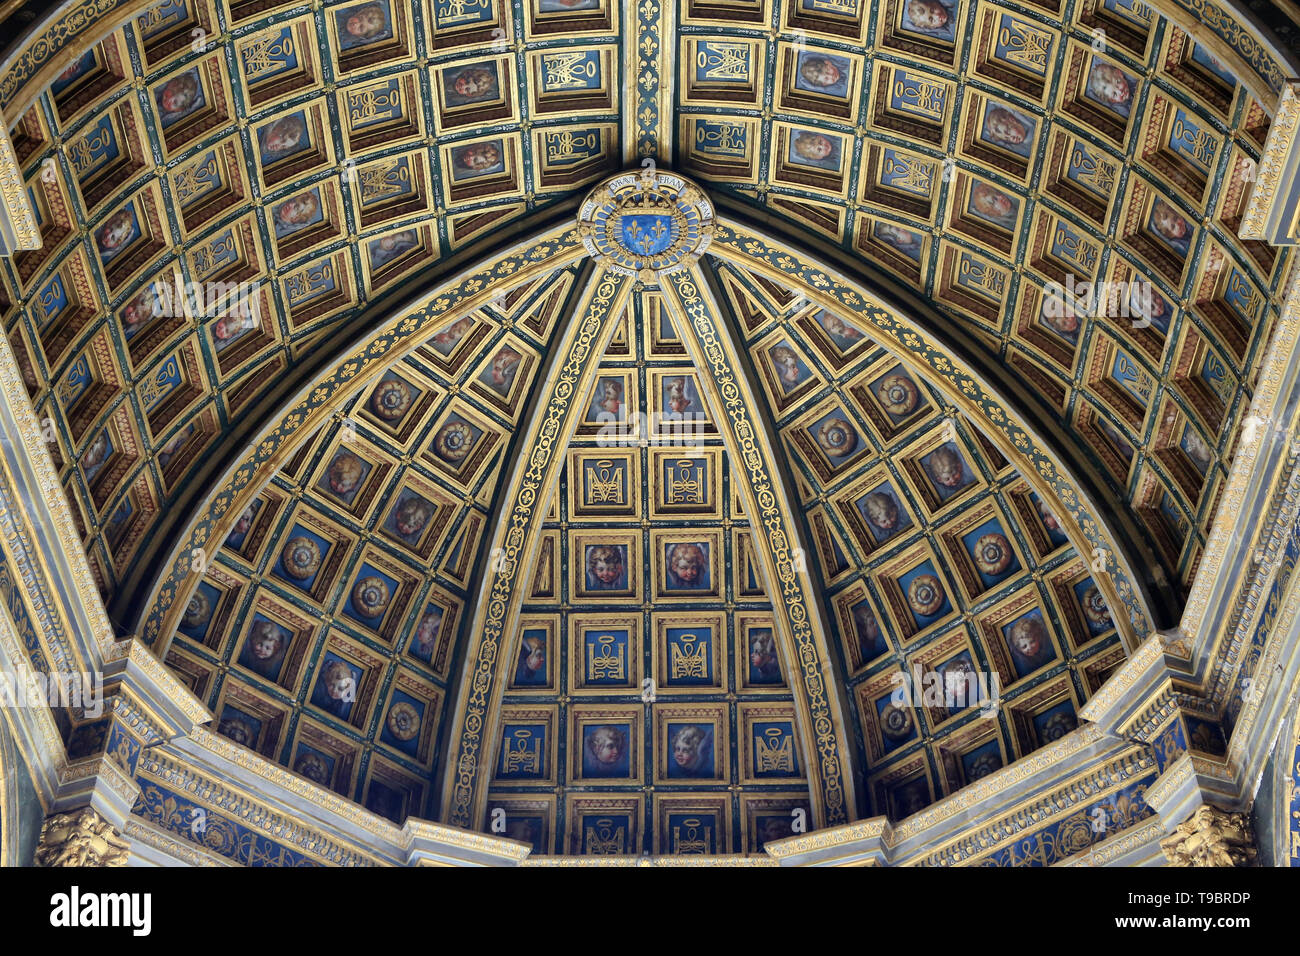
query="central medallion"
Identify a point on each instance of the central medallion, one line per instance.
(646, 223)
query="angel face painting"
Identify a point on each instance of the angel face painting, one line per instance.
(296, 213)
(1008, 129)
(763, 665)
(501, 372)
(362, 25)
(179, 97)
(264, 650)
(822, 73)
(530, 667)
(242, 526)
(690, 750)
(410, 517)
(283, 138)
(871, 643)
(686, 566)
(141, 309)
(1148, 307)
(605, 750)
(386, 249)
(993, 205)
(791, 372)
(844, 335)
(1030, 645)
(1170, 226)
(882, 513)
(899, 239)
(814, 149)
(230, 327)
(447, 340)
(98, 452)
(476, 83)
(344, 475)
(948, 470)
(608, 404)
(606, 567)
(426, 633)
(336, 686)
(117, 232)
(680, 396)
(930, 18)
(477, 159)
(1111, 87)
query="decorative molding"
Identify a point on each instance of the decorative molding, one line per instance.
(1211, 837)
(81, 838)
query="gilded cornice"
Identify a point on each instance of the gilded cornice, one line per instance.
(138, 831)
(1039, 812)
(415, 831)
(668, 861)
(1120, 845)
(19, 217)
(875, 829)
(1272, 162)
(307, 794)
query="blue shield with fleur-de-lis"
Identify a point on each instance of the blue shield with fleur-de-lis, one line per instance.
(645, 234)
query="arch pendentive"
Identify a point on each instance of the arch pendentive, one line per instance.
(837, 293)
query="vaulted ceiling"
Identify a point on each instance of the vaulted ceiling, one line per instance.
(328, 166)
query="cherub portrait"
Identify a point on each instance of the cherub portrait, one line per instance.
(426, 634)
(930, 17)
(605, 751)
(141, 309)
(687, 566)
(236, 537)
(118, 230)
(763, 665)
(1058, 315)
(282, 138)
(296, 212)
(1029, 643)
(993, 205)
(503, 368)
(882, 513)
(530, 669)
(447, 339)
(606, 567)
(814, 149)
(476, 159)
(238, 730)
(1005, 128)
(96, 454)
(896, 237)
(412, 516)
(336, 688)
(607, 405)
(1170, 226)
(841, 333)
(819, 71)
(675, 398)
(230, 327)
(264, 649)
(946, 468)
(387, 248)
(1109, 86)
(178, 97)
(361, 25)
(787, 365)
(471, 84)
(692, 751)
(345, 473)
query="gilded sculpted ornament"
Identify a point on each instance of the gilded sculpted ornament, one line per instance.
(646, 224)
(1211, 837)
(80, 838)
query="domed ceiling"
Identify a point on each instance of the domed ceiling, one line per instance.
(233, 195)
